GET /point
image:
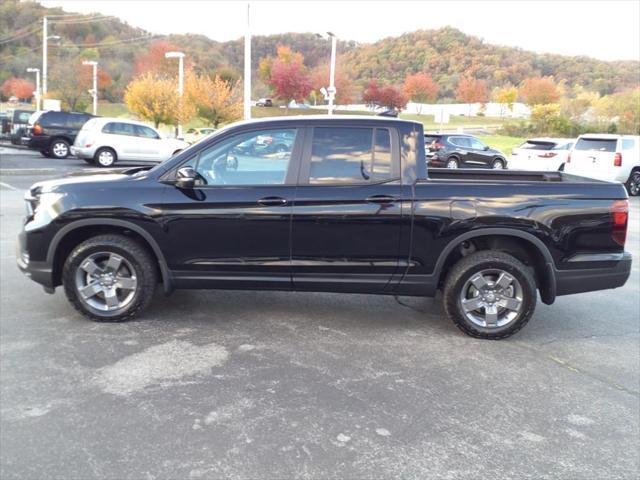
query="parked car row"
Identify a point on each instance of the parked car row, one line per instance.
(608, 157)
(97, 140)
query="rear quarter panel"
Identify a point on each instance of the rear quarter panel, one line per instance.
(568, 218)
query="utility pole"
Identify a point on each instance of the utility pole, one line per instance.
(45, 40)
(94, 90)
(180, 56)
(37, 92)
(247, 67)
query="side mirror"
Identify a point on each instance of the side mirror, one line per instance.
(486, 147)
(186, 177)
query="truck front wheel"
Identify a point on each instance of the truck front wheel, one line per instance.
(109, 278)
(490, 295)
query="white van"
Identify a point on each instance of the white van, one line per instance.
(104, 141)
(615, 158)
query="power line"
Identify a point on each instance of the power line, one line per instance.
(83, 20)
(19, 36)
(109, 44)
(19, 31)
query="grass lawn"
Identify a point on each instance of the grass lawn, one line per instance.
(501, 142)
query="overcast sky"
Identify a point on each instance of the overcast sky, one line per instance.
(609, 30)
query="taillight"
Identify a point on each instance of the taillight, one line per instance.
(548, 155)
(617, 160)
(37, 129)
(619, 217)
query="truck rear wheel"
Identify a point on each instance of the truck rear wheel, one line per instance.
(490, 295)
(109, 278)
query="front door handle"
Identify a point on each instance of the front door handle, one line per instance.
(272, 201)
(380, 199)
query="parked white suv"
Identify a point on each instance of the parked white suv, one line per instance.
(609, 157)
(104, 141)
(541, 154)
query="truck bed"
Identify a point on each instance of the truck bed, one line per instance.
(485, 175)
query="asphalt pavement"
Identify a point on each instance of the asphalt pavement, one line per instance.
(211, 384)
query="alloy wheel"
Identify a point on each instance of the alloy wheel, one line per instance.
(60, 149)
(452, 164)
(491, 298)
(106, 281)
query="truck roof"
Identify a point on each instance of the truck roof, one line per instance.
(325, 118)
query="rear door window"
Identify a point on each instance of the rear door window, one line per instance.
(350, 155)
(125, 129)
(76, 121)
(460, 142)
(53, 119)
(628, 144)
(596, 144)
(146, 132)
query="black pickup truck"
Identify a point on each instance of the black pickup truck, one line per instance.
(348, 207)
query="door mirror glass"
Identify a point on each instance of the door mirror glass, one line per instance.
(486, 147)
(186, 177)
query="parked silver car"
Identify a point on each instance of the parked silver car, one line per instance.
(104, 141)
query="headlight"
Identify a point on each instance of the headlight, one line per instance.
(48, 202)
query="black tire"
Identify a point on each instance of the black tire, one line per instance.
(484, 260)
(100, 158)
(45, 153)
(133, 252)
(59, 148)
(498, 164)
(633, 184)
(452, 162)
(90, 161)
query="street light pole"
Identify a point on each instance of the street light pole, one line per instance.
(180, 56)
(247, 68)
(44, 55)
(37, 92)
(332, 73)
(94, 90)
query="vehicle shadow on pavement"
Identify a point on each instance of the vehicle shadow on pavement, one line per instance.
(344, 311)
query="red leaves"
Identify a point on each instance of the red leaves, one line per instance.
(290, 81)
(385, 96)
(19, 87)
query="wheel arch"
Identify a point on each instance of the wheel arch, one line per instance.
(510, 241)
(72, 234)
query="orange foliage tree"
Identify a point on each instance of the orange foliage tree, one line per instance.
(472, 90)
(539, 91)
(343, 83)
(420, 88)
(21, 88)
(153, 61)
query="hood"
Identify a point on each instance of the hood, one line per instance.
(97, 176)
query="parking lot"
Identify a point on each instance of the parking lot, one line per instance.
(210, 384)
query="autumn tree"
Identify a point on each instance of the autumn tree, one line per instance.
(539, 91)
(384, 96)
(623, 107)
(506, 97)
(472, 90)
(215, 99)
(154, 61)
(70, 82)
(286, 75)
(21, 88)
(420, 88)
(343, 83)
(153, 99)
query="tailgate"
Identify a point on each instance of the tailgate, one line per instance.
(593, 155)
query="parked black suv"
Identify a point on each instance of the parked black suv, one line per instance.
(54, 132)
(461, 151)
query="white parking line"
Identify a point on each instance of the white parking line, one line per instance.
(10, 187)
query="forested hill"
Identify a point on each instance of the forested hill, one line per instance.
(446, 53)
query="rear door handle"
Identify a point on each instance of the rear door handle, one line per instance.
(380, 199)
(272, 201)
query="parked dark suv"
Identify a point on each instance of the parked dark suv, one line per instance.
(461, 151)
(54, 132)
